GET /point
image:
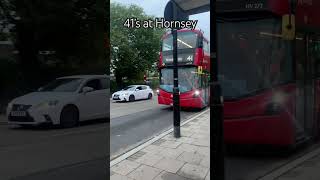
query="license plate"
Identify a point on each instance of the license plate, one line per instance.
(18, 113)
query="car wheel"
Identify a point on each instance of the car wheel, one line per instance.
(131, 98)
(150, 96)
(69, 117)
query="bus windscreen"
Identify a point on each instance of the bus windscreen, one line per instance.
(252, 56)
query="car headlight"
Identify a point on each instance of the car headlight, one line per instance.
(47, 104)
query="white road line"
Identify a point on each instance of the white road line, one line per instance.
(154, 139)
(287, 167)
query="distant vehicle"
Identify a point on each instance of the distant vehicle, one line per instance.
(133, 92)
(66, 101)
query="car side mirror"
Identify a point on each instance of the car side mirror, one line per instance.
(87, 89)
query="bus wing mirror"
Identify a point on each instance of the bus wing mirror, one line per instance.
(288, 27)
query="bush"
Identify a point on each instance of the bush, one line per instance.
(154, 83)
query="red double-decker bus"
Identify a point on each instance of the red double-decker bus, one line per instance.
(269, 69)
(193, 69)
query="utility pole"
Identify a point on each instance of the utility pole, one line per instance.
(216, 104)
(176, 92)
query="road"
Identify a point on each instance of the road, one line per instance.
(52, 153)
(82, 152)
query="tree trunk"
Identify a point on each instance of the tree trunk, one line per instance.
(119, 82)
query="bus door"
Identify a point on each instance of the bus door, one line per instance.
(206, 88)
(310, 85)
(300, 67)
(314, 47)
(305, 96)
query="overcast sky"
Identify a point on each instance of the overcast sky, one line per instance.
(156, 8)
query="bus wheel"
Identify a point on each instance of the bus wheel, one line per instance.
(150, 96)
(69, 117)
(131, 98)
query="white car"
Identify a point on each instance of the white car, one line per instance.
(132, 93)
(66, 101)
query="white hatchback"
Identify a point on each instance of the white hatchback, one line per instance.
(133, 92)
(65, 101)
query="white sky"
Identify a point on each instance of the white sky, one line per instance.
(156, 8)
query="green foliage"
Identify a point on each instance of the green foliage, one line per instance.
(133, 51)
(75, 30)
(154, 83)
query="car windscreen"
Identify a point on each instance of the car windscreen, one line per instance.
(129, 88)
(62, 85)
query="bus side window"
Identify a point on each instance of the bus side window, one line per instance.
(206, 47)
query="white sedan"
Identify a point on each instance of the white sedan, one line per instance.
(132, 93)
(65, 101)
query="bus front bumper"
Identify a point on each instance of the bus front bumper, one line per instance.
(187, 103)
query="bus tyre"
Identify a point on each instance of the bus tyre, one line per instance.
(150, 96)
(131, 98)
(69, 117)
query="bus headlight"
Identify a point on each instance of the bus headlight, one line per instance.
(158, 91)
(279, 98)
(196, 93)
(276, 104)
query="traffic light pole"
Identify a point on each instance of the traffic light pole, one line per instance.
(176, 93)
(216, 105)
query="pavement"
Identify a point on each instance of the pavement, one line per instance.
(133, 123)
(305, 167)
(188, 158)
(166, 158)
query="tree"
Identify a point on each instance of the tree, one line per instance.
(73, 29)
(133, 50)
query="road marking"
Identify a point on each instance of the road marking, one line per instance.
(152, 140)
(287, 167)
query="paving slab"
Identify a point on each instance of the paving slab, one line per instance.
(169, 158)
(170, 165)
(192, 171)
(144, 173)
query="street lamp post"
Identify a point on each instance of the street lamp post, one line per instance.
(189, 7)
(176, 92)
(173, 12)
(216, 104)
